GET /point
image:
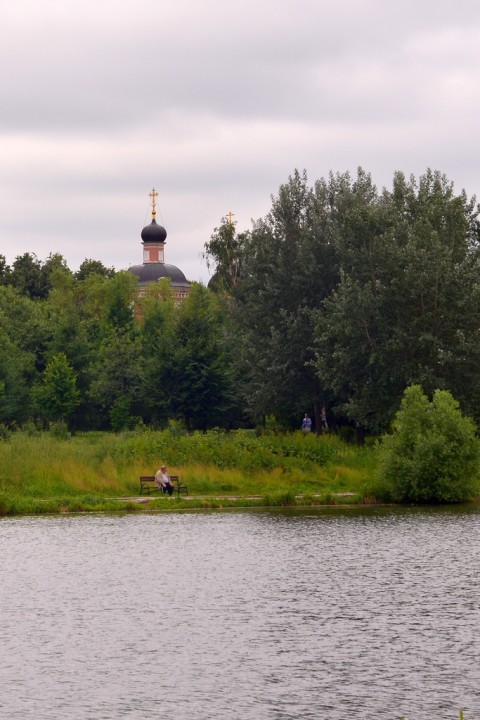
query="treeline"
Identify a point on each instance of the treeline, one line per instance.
(91, 354)
(342, 296)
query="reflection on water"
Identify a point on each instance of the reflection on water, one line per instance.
(365, 614)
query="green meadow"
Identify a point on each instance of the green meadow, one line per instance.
(43, 473)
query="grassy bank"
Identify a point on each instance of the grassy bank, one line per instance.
(40, 473)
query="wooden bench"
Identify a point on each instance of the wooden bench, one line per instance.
(147, 483)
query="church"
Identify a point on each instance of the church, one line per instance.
(154, 267)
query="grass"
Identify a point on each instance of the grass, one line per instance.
(41, 473)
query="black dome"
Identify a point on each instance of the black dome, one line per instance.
(150, 272)
(154, 233)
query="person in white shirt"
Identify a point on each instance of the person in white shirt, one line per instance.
(162, 480)
(306, 424)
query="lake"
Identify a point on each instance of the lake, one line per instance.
(256, 615)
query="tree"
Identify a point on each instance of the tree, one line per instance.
(119, 300)
(57, 396)
(93, 267)
(54, 266)
(27, 276)
(289, 266)
(158, 317)
(198, 379)
(4, 271)
(407, 304)
(75, 333)
(224, 252)
(14, 391)
(115, 385)
(433, 454)
(115, 373)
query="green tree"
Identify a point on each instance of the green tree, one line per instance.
(407, 304)
(433, 453)
(53, 267)
(14, 391)
(57, 396)
(26, 323)
(4, 270)
(93, 267)
(115, 385)
(74, 332)
(27, 276)
(198, 379)
(289, 266)
(223, 252)
(158, 317)
(119, 300)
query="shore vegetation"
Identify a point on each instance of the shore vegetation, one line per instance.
(49, 472)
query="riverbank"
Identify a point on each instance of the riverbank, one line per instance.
(40, 473)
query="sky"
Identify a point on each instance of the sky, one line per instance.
(215, 104)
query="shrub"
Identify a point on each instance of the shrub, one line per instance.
(4, 432)
(433, 454)
(59, 429)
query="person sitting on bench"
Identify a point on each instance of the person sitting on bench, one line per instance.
(162, 480)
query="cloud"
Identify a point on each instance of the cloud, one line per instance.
(215, 104)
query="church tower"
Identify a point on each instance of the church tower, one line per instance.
(154, 267)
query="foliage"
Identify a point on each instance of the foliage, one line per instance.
(59, 429)
(93, 267)
(406, 307)
(433, 454)
(14, 395)
(42, 469)
(223, 250)
(200, 380)
(289, 266)
(341, 296)
(58, 396)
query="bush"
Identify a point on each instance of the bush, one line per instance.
(433, 454)
(59, 430)
(4, 432)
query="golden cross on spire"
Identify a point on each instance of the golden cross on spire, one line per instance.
(154, 195)
(230, 216)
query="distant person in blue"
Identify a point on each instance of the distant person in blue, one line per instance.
(306, 424)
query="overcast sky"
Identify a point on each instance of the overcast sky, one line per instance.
(215, 103)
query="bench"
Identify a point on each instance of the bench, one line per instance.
(147, 483)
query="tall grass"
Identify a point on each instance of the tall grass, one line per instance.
(102, 466)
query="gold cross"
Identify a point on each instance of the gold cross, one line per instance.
(230, 216)
(154, 195)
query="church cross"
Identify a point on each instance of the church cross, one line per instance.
(154, 195)
(230, 216)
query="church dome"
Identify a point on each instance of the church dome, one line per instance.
(154, 233)
(154, 266)
(151, 272)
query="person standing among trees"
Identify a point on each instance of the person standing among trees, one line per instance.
(306, 424)
(323, 420)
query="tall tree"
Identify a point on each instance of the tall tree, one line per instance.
(288, 267)
(14, 391)
(199, 380)
(157, 346)
(407, 305)
(4, 270)
(57, 396)
(93, 267)
(223, 252)
(27, 276)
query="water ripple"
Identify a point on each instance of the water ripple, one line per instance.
(241, 616)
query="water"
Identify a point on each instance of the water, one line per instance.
(244, 616)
